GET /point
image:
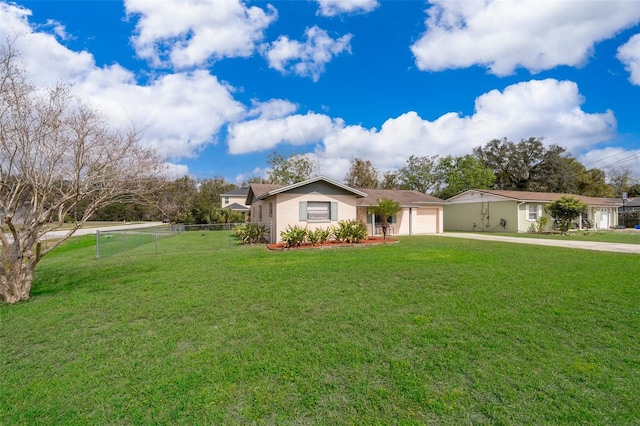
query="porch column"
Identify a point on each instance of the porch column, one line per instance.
(410, 220)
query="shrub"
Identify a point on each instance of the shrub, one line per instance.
(318, 236)
(541, 223)
(350, 231)
(294, 236)
(251, 233)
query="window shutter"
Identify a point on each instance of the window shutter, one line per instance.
(369, 217)
(334, 210)
(539, 211)
(303, 211)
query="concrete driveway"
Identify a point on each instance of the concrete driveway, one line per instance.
(584, 245)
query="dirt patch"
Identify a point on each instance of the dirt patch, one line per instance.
(334, 244)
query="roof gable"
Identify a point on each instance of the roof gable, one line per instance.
(319, 184)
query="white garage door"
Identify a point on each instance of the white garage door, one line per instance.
(426, 221)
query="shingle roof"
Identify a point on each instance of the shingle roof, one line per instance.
(547, 196)
(260, 189)
(236, 192)
(404, 197)
(237, 207)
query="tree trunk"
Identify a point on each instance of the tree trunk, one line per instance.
(17, 277)
(16, 286)
(384, 230)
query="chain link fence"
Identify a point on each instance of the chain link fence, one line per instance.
(169, 239)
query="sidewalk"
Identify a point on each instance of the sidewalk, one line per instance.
(92, 230)
(584, 245)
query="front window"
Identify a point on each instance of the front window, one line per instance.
(318, 210)
(534, 212)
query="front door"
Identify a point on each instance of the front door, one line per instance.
(604, 218)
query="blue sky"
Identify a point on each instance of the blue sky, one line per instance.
(219, 85)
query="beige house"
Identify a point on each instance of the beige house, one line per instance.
(321, 202)
(517, 211)
(235, 200)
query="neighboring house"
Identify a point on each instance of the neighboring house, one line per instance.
(236, 201)
(629, 212)
(321, 202)
(516, 211)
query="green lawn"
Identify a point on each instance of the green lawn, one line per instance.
(428, 331)
(627, 237)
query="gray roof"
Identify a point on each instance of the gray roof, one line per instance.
(406, 198)
(237, 207)
(239, 192)
(546, 197)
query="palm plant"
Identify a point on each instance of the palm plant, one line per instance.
(385, 209)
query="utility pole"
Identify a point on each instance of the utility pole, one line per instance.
(624, 210)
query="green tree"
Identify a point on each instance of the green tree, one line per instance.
(622, 180)
(390, 180)
(176, 200)
(592, 182)
(458, 174)
(207, 202)
(385, 209)
(362, 174)
(419, 174)
(296, 168)
(565, 210)
(527, 165)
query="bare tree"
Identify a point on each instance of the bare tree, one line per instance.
(59, 160)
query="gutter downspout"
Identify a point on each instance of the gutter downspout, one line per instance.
(518, 216)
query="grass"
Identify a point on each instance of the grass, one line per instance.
(430, 330)
(625, 237)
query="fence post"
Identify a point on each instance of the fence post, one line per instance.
(97, 244)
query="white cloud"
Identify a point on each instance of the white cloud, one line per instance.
(629, 55)
(257, 172)
(263, 134)
(174, 171)
(338, 7)
(505, 35)
(179, 114)
(192, 32)
(306, 59)
(273, 108)
(46, 60)
(547, 108)
(612, 159)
